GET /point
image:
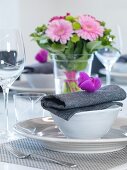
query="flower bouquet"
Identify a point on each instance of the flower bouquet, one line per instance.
(73, 40)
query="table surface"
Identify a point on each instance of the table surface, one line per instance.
(12, 120)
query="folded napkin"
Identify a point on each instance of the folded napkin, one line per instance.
(45, 68)
(66, 105)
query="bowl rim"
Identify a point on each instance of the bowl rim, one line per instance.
(115, 107)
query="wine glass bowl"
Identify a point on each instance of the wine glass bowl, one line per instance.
(11, 56)
(108, 57)
(9, 70)
(12, 59)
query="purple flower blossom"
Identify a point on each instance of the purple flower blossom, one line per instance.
(42, 56)
(90, 84)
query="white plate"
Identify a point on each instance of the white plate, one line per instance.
(117, 76)
(114, 73)
(24, 86)
(40, 80)
(44, 130)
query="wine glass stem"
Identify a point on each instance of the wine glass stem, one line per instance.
(108, 76)
(5, 94)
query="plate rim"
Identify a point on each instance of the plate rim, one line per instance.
(113, 73)
(30, 89)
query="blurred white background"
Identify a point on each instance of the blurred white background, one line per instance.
(27, 14)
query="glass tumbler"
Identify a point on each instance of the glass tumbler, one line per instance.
(28, 106)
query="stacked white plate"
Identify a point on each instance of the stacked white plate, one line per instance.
(23, 86)
(44, 130)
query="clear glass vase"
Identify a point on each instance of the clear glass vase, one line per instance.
(66, 72)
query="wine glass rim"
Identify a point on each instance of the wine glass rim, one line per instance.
(11, 31)
(54, 54)
(31, 94)
(90, 57)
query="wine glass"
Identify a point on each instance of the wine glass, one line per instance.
(109, 55)
(12, 59)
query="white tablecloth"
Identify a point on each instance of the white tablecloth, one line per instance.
(7, 166)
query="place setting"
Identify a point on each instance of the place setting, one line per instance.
(78, 129)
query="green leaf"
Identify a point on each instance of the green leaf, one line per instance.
(78, 64)
(70, 18)
(112, 37)
(75, 38)
(36, 38)
(40, 28)
(76, 25)
(43, 39)
(78, 48)
(107, 31)
(93, 45)
(34, 34)
(85, 53)
(45, 46)
(69, 50)
(58, 55)
(102, 23)
(58, 47)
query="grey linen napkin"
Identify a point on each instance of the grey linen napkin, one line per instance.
(45, 68)
(66, 105)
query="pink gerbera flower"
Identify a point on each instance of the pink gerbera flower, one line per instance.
(59, 30)
(56, 18)
(90, 28)
(59, 17)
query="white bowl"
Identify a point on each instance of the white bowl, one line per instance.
(41, 80)
(88, 125)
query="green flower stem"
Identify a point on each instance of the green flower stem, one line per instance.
(70, 86)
